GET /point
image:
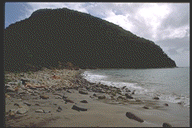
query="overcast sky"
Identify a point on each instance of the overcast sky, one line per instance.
(167, 24)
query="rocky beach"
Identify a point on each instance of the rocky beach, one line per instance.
(63, 98)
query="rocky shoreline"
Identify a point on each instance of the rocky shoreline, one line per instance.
(49, 96)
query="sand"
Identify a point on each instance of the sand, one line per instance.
(100, 112)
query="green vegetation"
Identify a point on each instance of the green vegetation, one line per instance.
(49, 36)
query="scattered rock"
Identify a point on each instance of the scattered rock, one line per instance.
(166, 125)
(84, 101)
(102, 97)
(44, 97)
(39, 111)
(156, 98)
(83, 91)
(128, 96)
(78, 108)
(59, 109)
(134, 117)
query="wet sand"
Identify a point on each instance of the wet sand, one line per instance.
(60, 92)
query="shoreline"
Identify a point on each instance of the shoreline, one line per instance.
(52, 103)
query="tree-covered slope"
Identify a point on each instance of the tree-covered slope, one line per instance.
(52, 35)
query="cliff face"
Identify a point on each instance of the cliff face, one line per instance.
(49, 36)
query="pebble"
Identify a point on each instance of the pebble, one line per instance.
(22, 110)
(39, 111)
(44, 97)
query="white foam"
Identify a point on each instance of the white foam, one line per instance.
(164, 96)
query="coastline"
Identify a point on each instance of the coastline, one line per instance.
(49, 98)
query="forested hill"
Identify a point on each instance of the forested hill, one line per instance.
(52, 35)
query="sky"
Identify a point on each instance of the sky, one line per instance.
(166, 24)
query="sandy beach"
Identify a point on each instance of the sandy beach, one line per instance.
(62, 98)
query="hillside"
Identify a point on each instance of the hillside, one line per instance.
(52, 35)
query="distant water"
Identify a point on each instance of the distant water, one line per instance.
(169, 84)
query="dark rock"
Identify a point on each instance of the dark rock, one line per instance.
(134, 117)
(24, 81)
(166, 125)
(127, 90)
(156, 98)
(95, 94)
(59, 109)
(84, 101)
(128, 96)
(102, 97)
(145, 107)
(78, 108)
(133, 92)
(166, 104)
(83, 91)
(123, 87)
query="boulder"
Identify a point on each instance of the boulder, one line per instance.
(134, 117)
(83, 91)
(166, 104)
(78, 108)
(166, 125)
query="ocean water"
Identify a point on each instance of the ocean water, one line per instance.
(169, 84)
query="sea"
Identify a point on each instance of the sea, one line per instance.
(169, 84)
